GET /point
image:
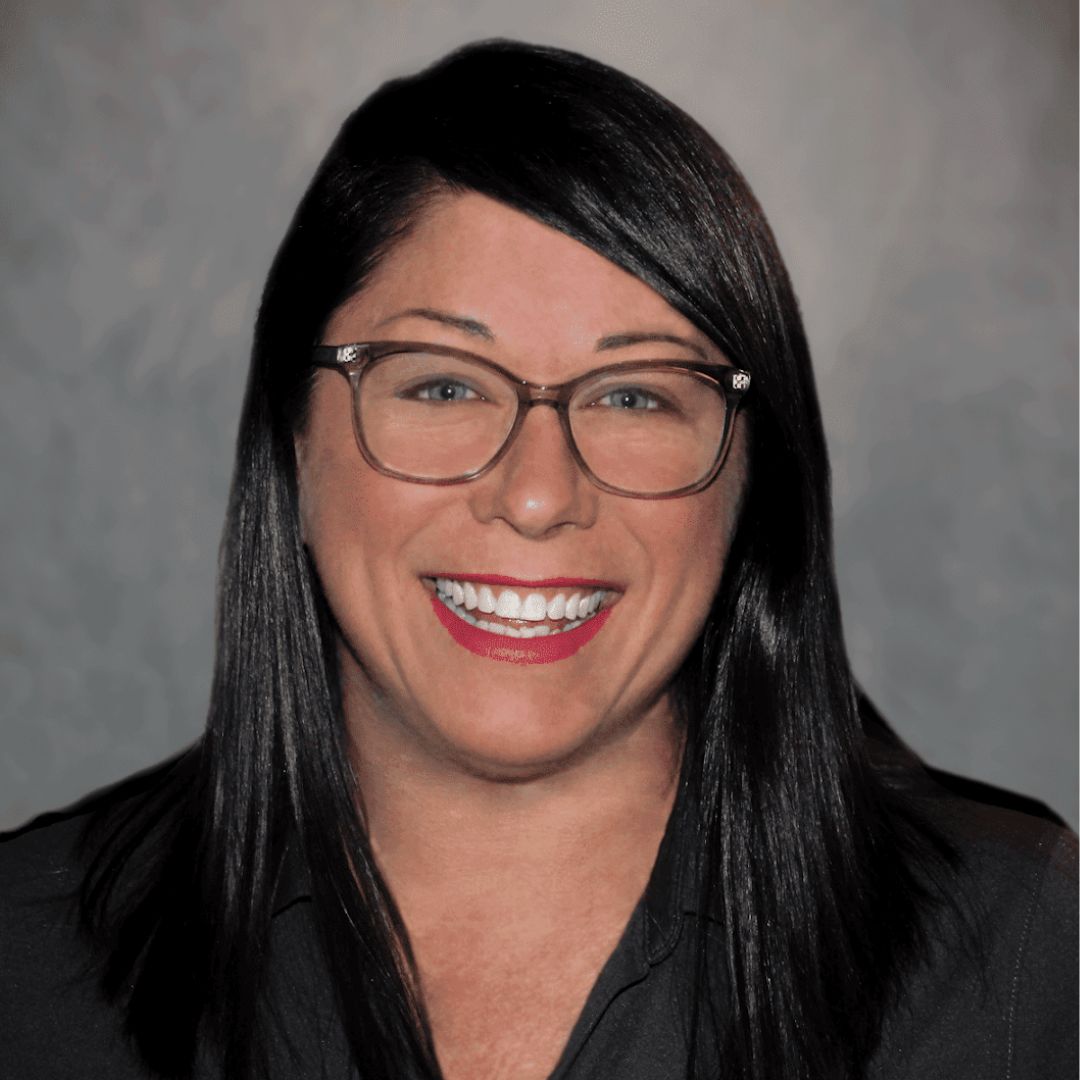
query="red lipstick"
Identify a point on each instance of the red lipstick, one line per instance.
(521, 583)
(537, 650)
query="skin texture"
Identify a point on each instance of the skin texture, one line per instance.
(514, 810)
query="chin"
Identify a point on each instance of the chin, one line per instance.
(526, 746)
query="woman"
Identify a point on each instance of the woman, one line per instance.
(533, 748)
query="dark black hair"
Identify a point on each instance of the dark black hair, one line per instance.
(817, 871)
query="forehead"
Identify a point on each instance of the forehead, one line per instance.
(530, 285)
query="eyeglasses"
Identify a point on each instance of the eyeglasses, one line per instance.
(438, 415)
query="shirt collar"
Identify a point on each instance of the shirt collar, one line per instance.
(673, 891)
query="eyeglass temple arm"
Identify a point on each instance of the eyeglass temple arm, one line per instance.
(337, 356)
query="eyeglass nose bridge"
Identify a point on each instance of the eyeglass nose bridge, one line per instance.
(530, 395)
(554, 401)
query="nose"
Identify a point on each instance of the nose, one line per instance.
(537, 488)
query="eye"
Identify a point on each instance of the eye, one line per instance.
(443, 390)
(631, 398)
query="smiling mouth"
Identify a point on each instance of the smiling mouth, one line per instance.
(528, 623)
(521, 612)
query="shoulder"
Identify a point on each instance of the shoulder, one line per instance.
(1017, 864)
(997, 994)
(54, 1020)
(1016, 853)
(46, 858)
(46, 861)
(1011, 853)
(47, 1001)
(39, 861)
(41, 873)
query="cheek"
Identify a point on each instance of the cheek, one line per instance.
(343, 523)
(350, 539)
(360, 529)
(701, 545)
(335, 538)
(340, 504)
(690, 541)
(700, 531)
(332, 507)
(726, 495)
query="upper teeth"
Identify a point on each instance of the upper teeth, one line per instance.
(508, 604)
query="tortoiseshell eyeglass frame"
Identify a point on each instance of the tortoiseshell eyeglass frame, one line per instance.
(354, 359)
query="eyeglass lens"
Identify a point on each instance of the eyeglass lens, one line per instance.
(434, 417)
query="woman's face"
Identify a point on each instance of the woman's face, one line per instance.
(477, 275)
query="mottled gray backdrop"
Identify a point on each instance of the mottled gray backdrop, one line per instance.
(918, 160)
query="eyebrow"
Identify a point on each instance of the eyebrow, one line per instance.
(475, 328)
(621, 341)
(458, 322)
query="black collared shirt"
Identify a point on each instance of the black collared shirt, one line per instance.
(1016, 1019)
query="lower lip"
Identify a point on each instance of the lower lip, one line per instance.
(538, 650)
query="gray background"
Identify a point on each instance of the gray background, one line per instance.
(917, 159)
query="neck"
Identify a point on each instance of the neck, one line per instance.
(440, 830)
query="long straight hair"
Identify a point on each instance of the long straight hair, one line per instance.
(816, 870)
